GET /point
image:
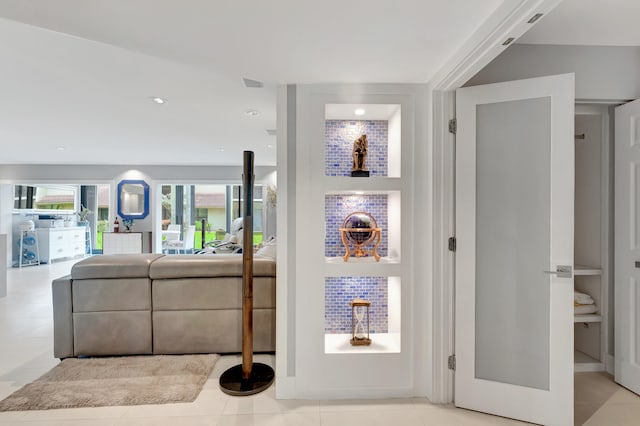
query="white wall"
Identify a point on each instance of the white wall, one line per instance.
(6, 206)
(602, 72)
(287, 250)
(92, 173)
(139, 225)
(3, 265)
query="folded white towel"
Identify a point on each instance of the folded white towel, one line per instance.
(582, 298)
(585, 309)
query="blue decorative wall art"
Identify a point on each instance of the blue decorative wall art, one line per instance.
(338, 207)
(339, 291)
(339, 137)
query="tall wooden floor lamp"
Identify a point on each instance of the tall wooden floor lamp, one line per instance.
(248, 378)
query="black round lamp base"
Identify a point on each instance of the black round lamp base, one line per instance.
(232, 383)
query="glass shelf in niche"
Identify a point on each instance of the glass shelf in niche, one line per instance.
(383, 325)
(385, 210)
(362, 260)
(351, 185)
(345, 123)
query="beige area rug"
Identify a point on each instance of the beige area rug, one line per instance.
(100, 382)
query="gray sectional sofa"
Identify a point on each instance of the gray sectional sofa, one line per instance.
(157, 304)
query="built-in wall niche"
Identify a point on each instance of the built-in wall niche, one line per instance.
(385, 209)
(344, 123)
(384, 313)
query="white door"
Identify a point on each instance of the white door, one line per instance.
(627, 245)
(514, 225)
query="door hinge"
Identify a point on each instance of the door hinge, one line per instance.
(452, 244)
(453, 126)
(451, 362)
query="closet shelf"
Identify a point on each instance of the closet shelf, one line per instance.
(587, 270)
(587, 318)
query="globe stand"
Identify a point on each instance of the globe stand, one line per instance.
(358, 251)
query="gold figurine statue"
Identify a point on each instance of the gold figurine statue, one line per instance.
(359, 154)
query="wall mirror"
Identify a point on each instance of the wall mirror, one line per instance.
(133, 199)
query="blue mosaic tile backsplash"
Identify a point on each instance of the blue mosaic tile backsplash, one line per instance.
(338, 207)
(339, 137)
(339, 291)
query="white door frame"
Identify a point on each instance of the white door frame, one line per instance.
(627, 372)
(508, 21)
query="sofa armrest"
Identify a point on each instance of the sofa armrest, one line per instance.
(62, 317)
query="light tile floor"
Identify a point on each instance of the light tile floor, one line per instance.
(26, 353)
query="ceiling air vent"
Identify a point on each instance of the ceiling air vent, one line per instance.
(251, 84)
(271, 132)
(508, 41)
(534, 18)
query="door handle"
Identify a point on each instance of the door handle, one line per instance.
(562, 271)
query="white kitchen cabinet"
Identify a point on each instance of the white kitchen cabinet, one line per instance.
(61, 243)
(121, 242)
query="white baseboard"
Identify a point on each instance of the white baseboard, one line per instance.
(286, 388)
(609, 364)
(590, 367)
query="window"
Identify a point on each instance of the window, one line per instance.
(236, 211)
(217, 204)
(45, 197)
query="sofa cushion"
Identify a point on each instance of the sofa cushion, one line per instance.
(210, 293)
(122, 294)
(197, 293)
(210, 331)
(62, 317)
(114, 266)
(219, 265)
(112, 333)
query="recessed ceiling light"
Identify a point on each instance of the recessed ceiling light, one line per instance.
(221, 149)
(269, 145)
(359, 111)
(158, 100)
(252, 113)
(60, 148)
(359, 192)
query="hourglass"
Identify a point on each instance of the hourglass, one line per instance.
(360, 334)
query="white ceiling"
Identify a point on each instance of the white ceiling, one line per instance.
(589, 23)
(78, 74)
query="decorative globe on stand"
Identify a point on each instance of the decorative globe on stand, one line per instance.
(360, 229)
